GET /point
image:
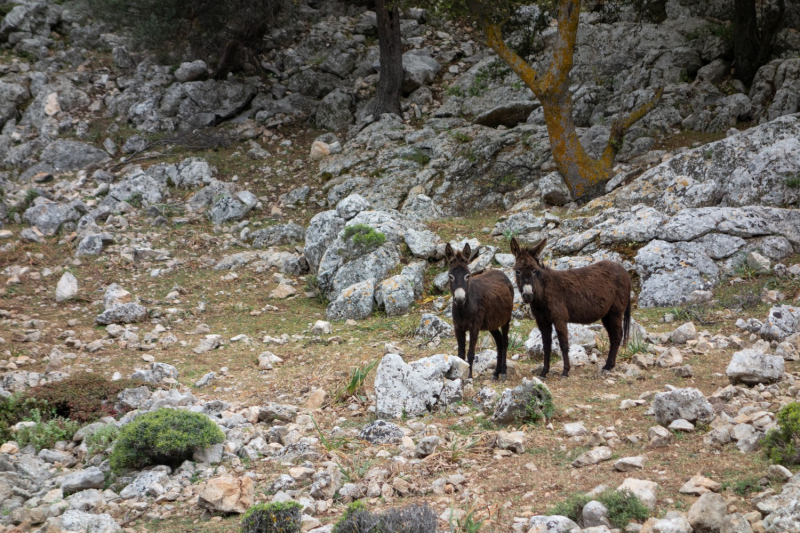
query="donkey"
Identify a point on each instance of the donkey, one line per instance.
(482, 303)
(601, 291)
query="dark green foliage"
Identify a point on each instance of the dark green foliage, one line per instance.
(46, 434)
(100, 440)
(623, 507)
(165, 436)
(793, 183)
(540, 405)
(82, 397)
(227, 34)
(364, 237)
(279, 517)
(782, 444)
(418, 156)
(412, 519)
(16, 408)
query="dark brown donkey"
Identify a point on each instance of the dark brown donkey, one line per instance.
(482, 303)
(601, 291)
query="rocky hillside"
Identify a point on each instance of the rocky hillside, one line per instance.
(258, 251)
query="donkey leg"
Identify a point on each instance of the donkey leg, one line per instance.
(547, 345)
(498, 340)
(505, 350)
(461, 338)
(613, 325)
(473, 340)
(563, 341)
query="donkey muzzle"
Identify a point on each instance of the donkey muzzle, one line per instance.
(527, 294)
(460, 296)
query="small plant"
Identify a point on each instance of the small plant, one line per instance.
(708, 154)
(623, 507)
(135, 200)
(22, 206)
(354, 469)
(165, 436)
(45, 434)
(782, 444)
(743, 487)
(540, 404)
(460, 136)
(100, 440)
(278, 517)
(330, 444)
(455, 90)
(793, 183)
(418, 156)
(364, 237)
(509, 234)
(16, 408)
(412, 519)
(468, 524)
(358, 376)
(636, 344)
(82, 397)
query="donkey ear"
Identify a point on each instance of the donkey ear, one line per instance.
(538, 249)
(514, 246)
(466, 252)
(449, 254)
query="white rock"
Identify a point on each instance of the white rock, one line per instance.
(67, 287)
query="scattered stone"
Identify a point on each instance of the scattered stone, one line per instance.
(67, 287)
(90, 478)
(226, 494)
(752, 367)
(688, 404)
(593, 456)
(707, 513)
(629, 464)
(698, 485)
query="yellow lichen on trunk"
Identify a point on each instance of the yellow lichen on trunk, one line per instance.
(580, 171)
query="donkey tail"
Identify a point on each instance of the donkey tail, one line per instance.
(626, 324)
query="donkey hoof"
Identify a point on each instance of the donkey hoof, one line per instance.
(564, 375)
(503, 377)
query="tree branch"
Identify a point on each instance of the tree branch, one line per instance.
(623, 123)
(494, 39)
(558, 73)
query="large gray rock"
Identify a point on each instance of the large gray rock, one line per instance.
(351, 206)
(552, 524)
(525, 402)
(82, 522)
(155, 374)
(321, 232)
(688, 404)
(137, 188)
(69, 156)
(230, 207)
(782, 322)
(670, 272)
(333, 113)
(432, 327)
(707, 513)
(67, 287)
(143, 485)
(395, 295)
(595, 514)
(49, 216)
(422, 243)
(191, 71)
(413, 389)
(741, 170)
(787, 518)
(578, 336)
(752, 367)
(355, 302)
(128, 313)
(277, 235)
(418, 70)
(90, 478)
(11, 97)
(507, 114)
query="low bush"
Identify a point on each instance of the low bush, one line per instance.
(540, 404)
(278, 517)
(623, 507)
(411, 519)
(44, 434)
(100, 440)
(165, 436)
(82, 397)
(782, 444)
(15, 409)
(364, 236)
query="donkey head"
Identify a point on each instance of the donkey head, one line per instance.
(459, 272)
(527, 268)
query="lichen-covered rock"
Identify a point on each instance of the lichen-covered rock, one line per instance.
(321, 232)
(688, 404)
(529, 401)
(355, 302)
(128, 313)
(671, 272)
(80, 521)
(432, 327)
(395, 295)
(381, 432)
(277, 235)
(69, 156)
(782, 321)
(416, 388)
(752, 367)
(50, 216)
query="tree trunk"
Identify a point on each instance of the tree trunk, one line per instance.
(752, 46)
(583, 174)
(387, 97)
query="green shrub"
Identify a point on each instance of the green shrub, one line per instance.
(165, 436)
(782, 444)
(45, 434)
(623, 507)
(794, 182)
(83, 397)
(412, 519)
(278, 517)
(418, 156)
(100, 440)
(364, 237)
(14, 409)
(540, 404)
